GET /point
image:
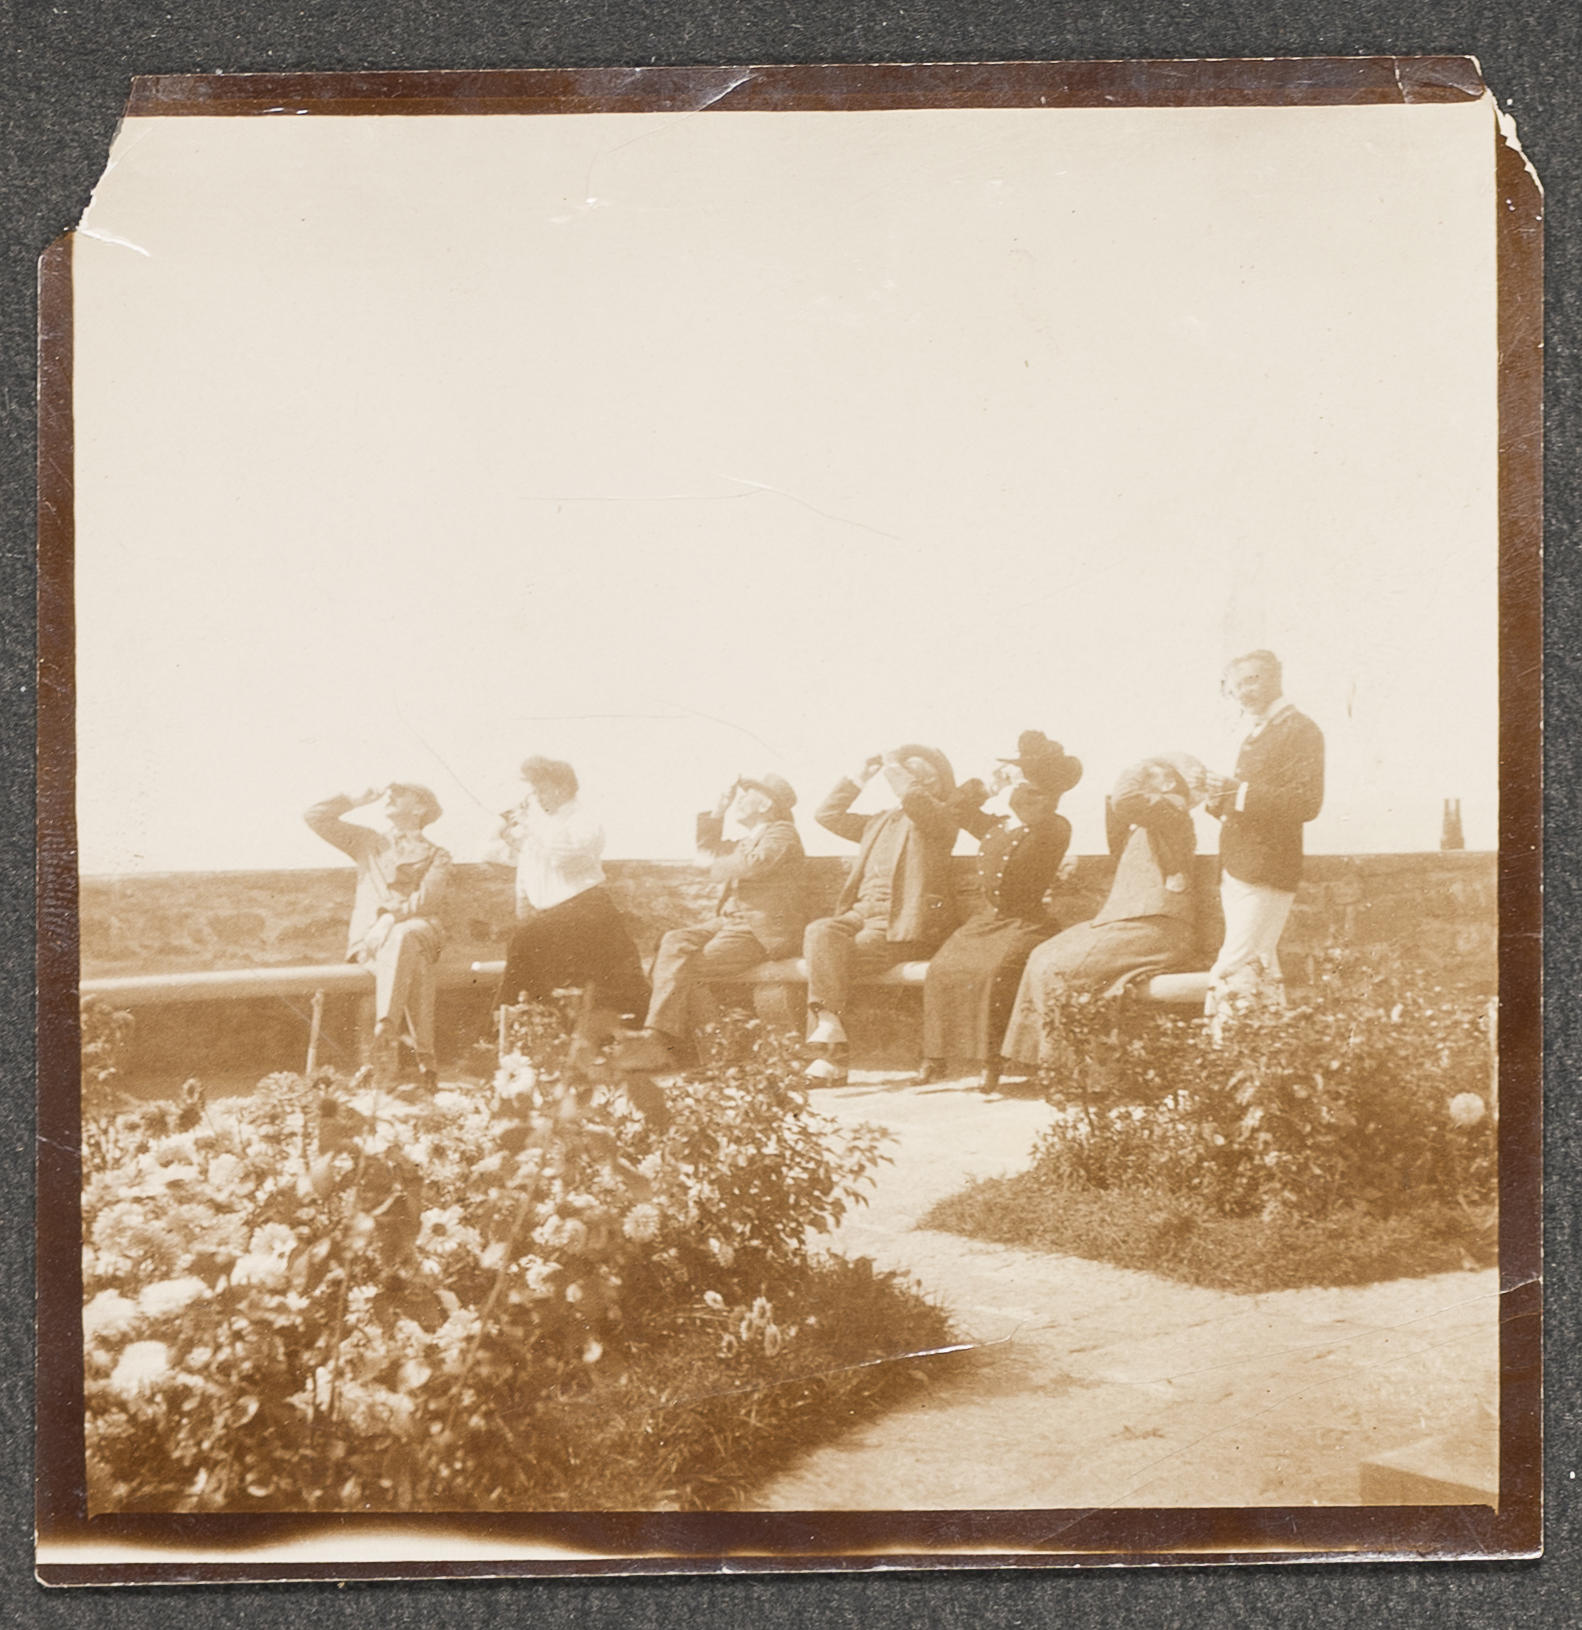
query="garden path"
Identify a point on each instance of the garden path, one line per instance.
(1096, 1386)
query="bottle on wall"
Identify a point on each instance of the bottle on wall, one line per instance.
(1450, 835)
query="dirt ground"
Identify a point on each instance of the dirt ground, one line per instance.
(1095, 1386)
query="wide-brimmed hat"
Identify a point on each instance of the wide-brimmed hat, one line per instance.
(1045, 763)
(931, 755)
(772, 786)
(428, 805)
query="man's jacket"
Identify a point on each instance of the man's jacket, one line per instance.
(762, 881)
(1281, 767)
(922, 902)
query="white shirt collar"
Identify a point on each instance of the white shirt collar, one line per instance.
(1258, 723)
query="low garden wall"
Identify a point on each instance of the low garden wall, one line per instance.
(1437, 911)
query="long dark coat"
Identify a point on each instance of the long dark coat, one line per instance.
(972, 978)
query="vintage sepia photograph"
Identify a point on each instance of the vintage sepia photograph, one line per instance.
(788, 800)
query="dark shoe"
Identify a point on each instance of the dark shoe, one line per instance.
(991, 1076)
(929, 1071)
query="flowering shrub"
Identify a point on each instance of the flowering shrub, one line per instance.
(1376, 1095)
(327, 1297)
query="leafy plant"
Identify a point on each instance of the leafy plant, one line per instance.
(325, 1297)
(1375, 1094)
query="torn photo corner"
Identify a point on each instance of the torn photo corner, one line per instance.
(798, 816)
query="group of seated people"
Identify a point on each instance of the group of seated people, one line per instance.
(991, 980)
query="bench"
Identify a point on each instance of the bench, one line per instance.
(774, 986)
(236, 984)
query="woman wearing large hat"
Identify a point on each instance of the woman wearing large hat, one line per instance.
(973, 977)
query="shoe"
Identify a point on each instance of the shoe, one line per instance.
(825, 1072)
(991, 1077)
(827, 1031)
(929, 1071)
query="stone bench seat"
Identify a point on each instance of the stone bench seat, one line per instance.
(1163, 990)
(239, 984)
(231, 984)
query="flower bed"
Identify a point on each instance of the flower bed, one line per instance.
(1348, 1140)
(554, 1290)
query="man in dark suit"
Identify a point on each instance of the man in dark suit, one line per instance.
(897, 904)
(759, 913)
(1277, 788)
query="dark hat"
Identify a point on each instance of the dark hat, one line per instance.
(1045, 763)
(933, 756)
(772, 786)
(429, 807)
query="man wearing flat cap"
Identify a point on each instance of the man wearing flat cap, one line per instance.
(758, 915)
(897, 904)
(395, 928)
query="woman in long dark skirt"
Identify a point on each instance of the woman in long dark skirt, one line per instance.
(972, 978)
(569, 932)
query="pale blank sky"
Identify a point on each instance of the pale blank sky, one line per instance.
(682, 445)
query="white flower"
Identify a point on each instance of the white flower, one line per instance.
(161, 1178)
(259, 1268)
(573, 1293)
(177, 1149)
(516, 1078)
(712, 1298)
(169, 1294)
(411, 1374)
(454, 1337)
(273, 1239)
(108, 1314)
(1467, 1109)
(593, 1352)
(538, 1276)
(140, 1366)
(642, 1223)
(223, 1171)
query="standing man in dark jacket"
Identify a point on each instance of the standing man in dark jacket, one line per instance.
(759, 913)
(1277, 788)
(897, 904)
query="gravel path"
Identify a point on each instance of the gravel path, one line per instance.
(1094, 1386)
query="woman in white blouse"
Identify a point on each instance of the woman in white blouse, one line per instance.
(569, 933)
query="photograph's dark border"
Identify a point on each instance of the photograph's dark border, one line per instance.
(627, 1543)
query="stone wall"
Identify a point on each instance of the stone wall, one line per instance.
(1435, 911)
